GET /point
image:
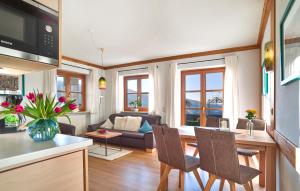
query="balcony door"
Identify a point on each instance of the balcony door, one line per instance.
(202, 93)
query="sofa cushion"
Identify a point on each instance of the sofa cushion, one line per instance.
(152, 119)
(134, 135)
(145, 128)
(107, 125)
(133, 123)
(120, 123)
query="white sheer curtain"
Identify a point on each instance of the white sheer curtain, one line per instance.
(113, 91)
(155, 97)
(120, 93)
(231, 91)
(92, 91)
(50, 82)
(173, 97)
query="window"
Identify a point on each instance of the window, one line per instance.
(201, 95)
(136, 88)
(72, 85)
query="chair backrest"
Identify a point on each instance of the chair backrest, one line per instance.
(168, 141)
(258, 124)
(226, 120)
(212, 122)
(160, 144)
(218, 155)
(67, 129)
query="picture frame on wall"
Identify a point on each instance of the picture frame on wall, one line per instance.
(290, 43)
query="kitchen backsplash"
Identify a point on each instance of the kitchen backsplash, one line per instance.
(10, 83)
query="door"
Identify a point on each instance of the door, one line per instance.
(201, 95)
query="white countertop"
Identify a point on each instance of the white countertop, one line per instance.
(17, 149)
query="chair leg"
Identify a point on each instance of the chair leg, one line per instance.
(248, 164)
(181, 180)
(164, 177)
(232, 186)
(222, 182)
(247, 187)
(210, 182)
(195, 153)
(198, 179)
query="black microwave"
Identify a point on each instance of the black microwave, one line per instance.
(28, 30)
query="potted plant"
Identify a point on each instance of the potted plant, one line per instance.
(251, 115)
(136, 104)
(44, 111)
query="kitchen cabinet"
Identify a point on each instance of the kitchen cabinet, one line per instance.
(60, 164)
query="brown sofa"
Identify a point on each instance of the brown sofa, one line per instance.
(129, 138)
(67, 129)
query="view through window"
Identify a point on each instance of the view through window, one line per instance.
(136, 92)
(201, 95)
(72, 85)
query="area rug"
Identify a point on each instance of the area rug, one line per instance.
(112, 153)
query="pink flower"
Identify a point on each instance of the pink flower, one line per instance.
(19, 109)
(57, 110)
(31, 97)
(41, 95)
(72, 106)
(62, 99)
(5, 104)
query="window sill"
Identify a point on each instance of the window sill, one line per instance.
(79, 113)
(143, 112)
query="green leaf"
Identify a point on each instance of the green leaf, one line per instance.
(68, 118)
(32, 122)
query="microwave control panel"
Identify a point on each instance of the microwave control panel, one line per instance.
(48, 40)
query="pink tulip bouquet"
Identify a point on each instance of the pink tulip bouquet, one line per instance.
(44, 111)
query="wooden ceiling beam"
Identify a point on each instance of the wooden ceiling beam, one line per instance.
(164, 59)
(184, 56)
(264, 20)
(82, 62)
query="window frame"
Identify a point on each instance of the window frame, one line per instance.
(203, 91)
(139, 91)
(67, 76)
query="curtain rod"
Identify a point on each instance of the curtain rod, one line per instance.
(77, 67)
(200, 61)
(133, 69)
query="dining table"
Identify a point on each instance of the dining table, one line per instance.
(259, 140)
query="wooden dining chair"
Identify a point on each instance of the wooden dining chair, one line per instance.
(210, 122)
(258, 124)
(170, 152)
(218, 156)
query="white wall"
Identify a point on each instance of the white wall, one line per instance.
(287, 115)
(248, 77)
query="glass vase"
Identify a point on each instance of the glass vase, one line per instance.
(250, 126)
(43, 130)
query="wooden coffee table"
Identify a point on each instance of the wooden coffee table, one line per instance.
(107, 135)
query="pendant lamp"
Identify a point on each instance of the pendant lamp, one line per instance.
(102, 80)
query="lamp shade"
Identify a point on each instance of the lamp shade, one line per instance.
(102, 83)
(269, 56)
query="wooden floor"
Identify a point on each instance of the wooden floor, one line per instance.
(139, 171)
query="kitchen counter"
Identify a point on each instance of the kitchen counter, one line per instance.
(65, 155)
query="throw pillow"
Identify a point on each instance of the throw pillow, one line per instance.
(133, 123)
(107, 124)
(120, 123)
(145, 128)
